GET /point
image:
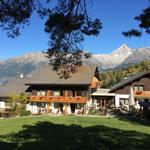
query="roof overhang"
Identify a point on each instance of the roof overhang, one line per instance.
(60, 84)
(128, 81)
(103, 94)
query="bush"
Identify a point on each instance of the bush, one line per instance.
(18, 104)
(115, 111)
(134, 109)
(125, 107)
(95, 112)
(25, 113)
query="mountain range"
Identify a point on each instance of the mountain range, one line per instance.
(30, 62)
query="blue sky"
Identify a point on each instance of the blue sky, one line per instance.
(116, 16)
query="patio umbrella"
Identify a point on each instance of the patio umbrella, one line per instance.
(131, 97)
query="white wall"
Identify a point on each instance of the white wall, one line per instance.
(69, 109)
(2, 104)
(118, 96)
(33, 107)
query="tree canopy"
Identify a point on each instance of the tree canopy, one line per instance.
(112, 76)
(67, 24)
(144, 24)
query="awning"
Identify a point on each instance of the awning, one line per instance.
(102, 92)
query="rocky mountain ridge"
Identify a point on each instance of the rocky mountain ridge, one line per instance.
(30, 62)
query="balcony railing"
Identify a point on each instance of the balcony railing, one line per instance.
(142, 94)
(58, 99)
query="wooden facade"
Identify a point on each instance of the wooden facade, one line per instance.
(47, 91)
(64, 96)
(144, 81)
(60, 93)
(137, 86)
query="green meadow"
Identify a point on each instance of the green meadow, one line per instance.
(73, 133)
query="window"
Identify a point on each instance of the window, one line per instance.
(78, 93)
(41, 104)
(135, 88)
(56, 93)
(141, 88)
(138, 88)
(41, 93)
(56, 105)
(124, 101)
(79, 106)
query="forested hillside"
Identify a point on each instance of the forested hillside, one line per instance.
(111, 77)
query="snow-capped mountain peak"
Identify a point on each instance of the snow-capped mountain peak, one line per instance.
(123, 50)
(30, 62)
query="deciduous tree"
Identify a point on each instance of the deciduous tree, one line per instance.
(18, 103)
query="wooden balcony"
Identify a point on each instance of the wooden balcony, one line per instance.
(58, 99)
(142, 94)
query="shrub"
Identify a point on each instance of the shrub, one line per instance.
(18, 103)
(115, 111)
(25, 113)
(95, 112)
(125, 107)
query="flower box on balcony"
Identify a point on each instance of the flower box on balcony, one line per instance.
(139, 92)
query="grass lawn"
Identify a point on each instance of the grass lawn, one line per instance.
(73, 133)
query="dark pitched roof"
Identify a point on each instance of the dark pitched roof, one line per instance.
(48, 76)
(13, 86)
(129, 80)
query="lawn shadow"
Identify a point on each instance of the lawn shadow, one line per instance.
(49, 136)
(7, 146)
(135, 120)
